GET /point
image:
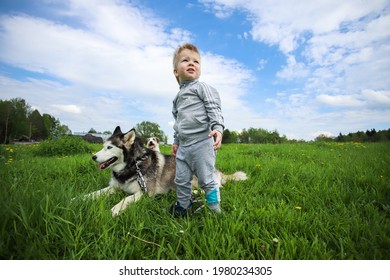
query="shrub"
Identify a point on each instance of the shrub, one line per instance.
(66, 145)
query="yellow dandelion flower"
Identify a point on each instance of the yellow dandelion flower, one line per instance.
(298, 207)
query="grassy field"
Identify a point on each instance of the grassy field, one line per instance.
(321, 201)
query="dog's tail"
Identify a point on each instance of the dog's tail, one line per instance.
(237, 176)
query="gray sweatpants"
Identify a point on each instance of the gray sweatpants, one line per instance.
(199, 160)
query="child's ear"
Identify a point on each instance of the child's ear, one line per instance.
(176, 75)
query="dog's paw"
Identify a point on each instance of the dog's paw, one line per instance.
(115, 211)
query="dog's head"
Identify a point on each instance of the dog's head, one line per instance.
(152, 143)
(115, 149)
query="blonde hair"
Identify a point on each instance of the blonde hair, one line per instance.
(186, 46)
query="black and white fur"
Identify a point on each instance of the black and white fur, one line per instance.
(121, 152)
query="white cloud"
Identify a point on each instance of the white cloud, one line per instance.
(103, 63)
(70, 108)
(337, 58)
(367, 99)
(293, 69)
(109, 64)
(220, 10)
(377, 97)
(340, 100)
(226, 74)
(262, 63)
(285, 22)
(82, 57)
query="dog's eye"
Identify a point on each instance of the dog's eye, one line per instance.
(109, 147)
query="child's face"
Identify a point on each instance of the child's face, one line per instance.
(188, 66)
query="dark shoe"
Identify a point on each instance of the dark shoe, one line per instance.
(178, 211)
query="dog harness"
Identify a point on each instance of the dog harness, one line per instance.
(140, 177)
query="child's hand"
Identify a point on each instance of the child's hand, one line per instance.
(217, 139)
(174, 149)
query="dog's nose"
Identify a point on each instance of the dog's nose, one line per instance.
(94, 157)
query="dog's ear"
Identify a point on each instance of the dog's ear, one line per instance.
(117, 130)
(158, 140)
(128, 138)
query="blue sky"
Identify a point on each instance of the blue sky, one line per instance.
(302, 68)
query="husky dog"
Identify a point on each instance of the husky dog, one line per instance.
(133, 167)
(137, 170)
(153, 143)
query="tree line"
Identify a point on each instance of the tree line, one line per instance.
(263, 136)
(144, 130)
(359, 136)
(254, 136)
(19, 122)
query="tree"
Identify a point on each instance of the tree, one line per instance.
(14, 119)
(92, 130)
(230, 136)
(324, 138)
(147, 129)
(340, 138)
(21, 125)
(37, 126)
(234, 136)
(226, 136)
(261, 136)
(244, 136)
(5, 115)
(60, 129)
(49, 123)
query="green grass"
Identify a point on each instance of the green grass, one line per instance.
(321, 201)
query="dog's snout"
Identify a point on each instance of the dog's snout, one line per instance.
(94, 157)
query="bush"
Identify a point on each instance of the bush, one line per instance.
(66, 145)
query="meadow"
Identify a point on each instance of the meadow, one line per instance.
(319, 200)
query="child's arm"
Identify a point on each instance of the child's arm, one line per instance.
(212, 103)
(217, 139)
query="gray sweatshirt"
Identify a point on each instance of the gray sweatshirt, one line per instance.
(197, 111)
